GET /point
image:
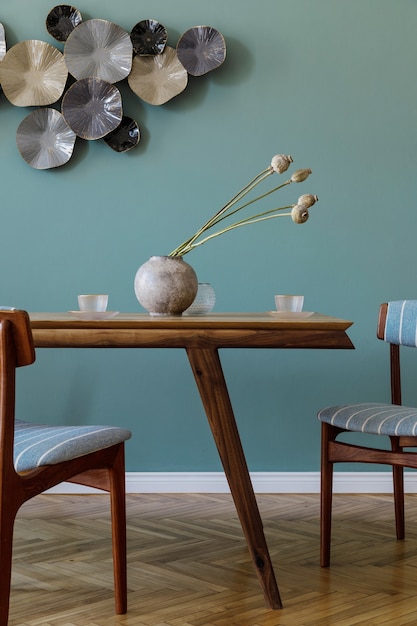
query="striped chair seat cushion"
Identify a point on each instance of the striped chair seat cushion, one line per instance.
(373, 418)
(40, 444)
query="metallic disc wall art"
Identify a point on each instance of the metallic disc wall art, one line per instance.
(99, 48)
(2, 42)
(92, 108)
(125, 137)
(33, 73)
(62, 20)
(159, 78)
(201, 49)
(96, 54)
(148, 37)
(45, 140)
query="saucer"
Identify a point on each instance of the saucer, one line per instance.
(94, 315)
(291, 314)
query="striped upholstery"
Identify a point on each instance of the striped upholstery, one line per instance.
(40, 444)
(401, 323)
(373, 418)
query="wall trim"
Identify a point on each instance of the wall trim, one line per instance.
(263, 482)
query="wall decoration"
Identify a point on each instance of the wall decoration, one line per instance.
(157, 79)
(62, 20)
(92, 108)
(33, 73)
(148, 37)
(2, 42)
(44, 139)
(201, 49)
(99, 48)
(125, 137)
(81, 80)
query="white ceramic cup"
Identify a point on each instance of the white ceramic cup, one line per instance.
(289, 302)
(93, 302)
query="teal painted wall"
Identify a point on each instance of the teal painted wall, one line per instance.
(330, 82)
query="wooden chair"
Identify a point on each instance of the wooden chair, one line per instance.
(35, 457)
(397, 325)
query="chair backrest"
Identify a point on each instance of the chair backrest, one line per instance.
(397, 325)
(15, 325)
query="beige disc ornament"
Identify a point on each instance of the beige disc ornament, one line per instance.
(33, 73)
(158, 79)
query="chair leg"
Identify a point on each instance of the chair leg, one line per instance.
(6, 552)
(118, 514)
(398, 484)
(326, 495)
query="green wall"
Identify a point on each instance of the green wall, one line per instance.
(333, 84)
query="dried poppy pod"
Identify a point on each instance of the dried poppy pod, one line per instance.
(299, 175)
(281, 162)
(307, 200)
(299, 214)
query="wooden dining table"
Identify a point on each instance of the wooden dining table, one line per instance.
(202, 337)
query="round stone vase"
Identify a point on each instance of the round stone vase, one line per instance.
(165, 285)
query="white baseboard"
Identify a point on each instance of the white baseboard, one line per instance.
(263, 482)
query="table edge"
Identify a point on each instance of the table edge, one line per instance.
(136, 321)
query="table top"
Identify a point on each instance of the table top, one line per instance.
(213, 320)
(217, 329)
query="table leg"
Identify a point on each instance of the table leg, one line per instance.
(208, 373)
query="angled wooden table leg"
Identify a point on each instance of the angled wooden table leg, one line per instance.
(208, 373)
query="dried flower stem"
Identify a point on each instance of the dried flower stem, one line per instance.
(243, 206)
(261, 217)
(279, 164)
(187, 245)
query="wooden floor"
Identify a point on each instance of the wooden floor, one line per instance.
(189, 566)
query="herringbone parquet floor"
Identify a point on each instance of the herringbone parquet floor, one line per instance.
(189, 566)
